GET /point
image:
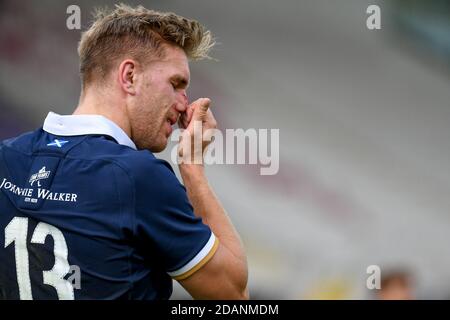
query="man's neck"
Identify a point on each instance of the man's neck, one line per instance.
(93, 105)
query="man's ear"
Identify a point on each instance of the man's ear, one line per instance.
(127, 76)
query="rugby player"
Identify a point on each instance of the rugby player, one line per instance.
(86, 209)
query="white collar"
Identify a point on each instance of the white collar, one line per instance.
(78, 125)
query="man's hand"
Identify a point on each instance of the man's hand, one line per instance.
(225, 276)
(196, 121)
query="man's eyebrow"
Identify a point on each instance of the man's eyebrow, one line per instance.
(181, 80)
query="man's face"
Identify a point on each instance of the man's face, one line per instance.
(160, 99)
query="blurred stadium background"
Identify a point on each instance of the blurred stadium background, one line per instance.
(364, 119)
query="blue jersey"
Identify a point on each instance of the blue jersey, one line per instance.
(84, 215)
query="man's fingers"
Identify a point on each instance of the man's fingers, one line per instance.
(196, 111)
(200, 108)
(189, 113)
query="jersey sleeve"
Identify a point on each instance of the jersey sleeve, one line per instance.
(166, 225)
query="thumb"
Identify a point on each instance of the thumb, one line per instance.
(200, 107)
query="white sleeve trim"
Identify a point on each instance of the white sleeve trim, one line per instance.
(198, 258)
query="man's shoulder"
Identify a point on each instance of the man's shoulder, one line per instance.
(21, 143)
(142, 165)
(139, 164)
(150, 178)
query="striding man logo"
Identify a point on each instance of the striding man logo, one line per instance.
(41, 175)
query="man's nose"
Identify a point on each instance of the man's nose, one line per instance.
(182, 102)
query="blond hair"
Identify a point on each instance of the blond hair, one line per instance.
(138, 33)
